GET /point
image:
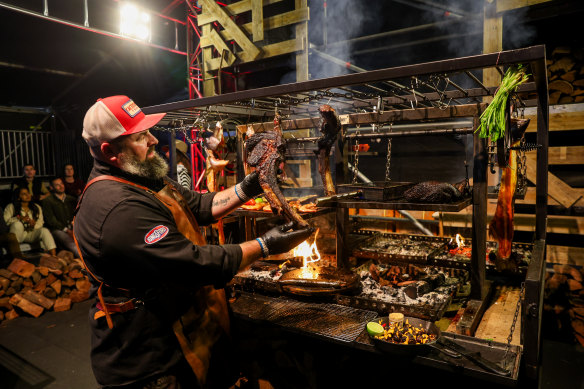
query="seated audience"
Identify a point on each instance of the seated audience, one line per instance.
(58, 211)
(73, 185)
(28, 180)
(25, 220)
(9, 242)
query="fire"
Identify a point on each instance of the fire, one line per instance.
(309, 254)
(459, 240)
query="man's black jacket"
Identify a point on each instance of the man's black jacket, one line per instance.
(129, 240)
(58, 214)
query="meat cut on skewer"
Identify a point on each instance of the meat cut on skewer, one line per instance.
(501, 226)
(330, 125)
(435, 192)
(265, 151)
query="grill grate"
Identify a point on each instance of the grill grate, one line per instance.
(330, 320)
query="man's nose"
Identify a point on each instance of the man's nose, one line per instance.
(152, 140)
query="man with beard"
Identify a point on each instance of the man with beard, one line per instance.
(160, 318)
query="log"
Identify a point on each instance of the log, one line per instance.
(10, 291)
(43, 270)
(1, 315)
(51, 278)
(75, 273)
(66, 255)
(22, 268)
(4, 283)
(569, 271)
(554, 97)
(566, 100)
(40, 286)
(5, 303)
(562, 86)
(50, 293)
(563, 64)
(68, 281)
(38, 299)
(579, 99)
(83, 284)
(17, 284)
(78, 296)
(27, 283)
(62, 304)
(8, 274)
(579, 82)
(50, 262)
(570, 76)
(56, 286)
(12, 314)
(36, 276)
(561, 50)
(574, 285)
(26, 306)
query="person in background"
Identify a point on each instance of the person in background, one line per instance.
(73, 185)
(28, 180)
(9, 242)
(24, 218)
(58, 211)
(183, 164)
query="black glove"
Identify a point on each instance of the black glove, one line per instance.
(249, 187)
(278, 241)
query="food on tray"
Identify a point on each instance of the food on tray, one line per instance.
(310, 207)
(436, 192)
(405, 334)
(265, 152)
(501, 226)
(254, 207)
(260, 204)
(330, 125)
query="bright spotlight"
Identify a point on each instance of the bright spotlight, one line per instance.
(134, 22)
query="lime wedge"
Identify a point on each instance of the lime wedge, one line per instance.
(374, 329)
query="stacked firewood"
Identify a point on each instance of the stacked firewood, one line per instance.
(566, 75)
(56, 283)
(564, 299)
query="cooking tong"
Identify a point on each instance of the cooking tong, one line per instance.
(474, 357)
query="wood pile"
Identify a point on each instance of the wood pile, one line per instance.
(566, 75)
(54, 284)
(564, 299)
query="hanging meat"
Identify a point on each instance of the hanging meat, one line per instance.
(214, 166)
(501, 226)
(436, 192)
(265, 151)
(330, 125)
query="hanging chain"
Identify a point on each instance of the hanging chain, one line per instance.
(515, 316)
(388, 160)
(356, 160)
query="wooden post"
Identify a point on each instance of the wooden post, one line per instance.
(302, 37)
(492, 41)
(257, 19)
(479, 216)
(208, 80)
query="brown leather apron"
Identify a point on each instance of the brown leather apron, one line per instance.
(207, 320)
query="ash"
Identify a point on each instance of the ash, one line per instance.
(371, 289)
(261, 275)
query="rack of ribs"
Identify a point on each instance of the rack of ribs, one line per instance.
(330, 125)
(265, 151)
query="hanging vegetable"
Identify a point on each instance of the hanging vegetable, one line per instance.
(493, 118)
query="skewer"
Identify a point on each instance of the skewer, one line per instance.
(472, 76)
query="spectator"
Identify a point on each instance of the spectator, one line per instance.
(58, 210)
(73, 185)
(9, 242)
(183, 164)
(25, 220)
(35, 186)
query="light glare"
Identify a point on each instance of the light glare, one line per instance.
(134, 22)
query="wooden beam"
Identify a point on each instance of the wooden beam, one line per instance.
(233, 9)
(508, 5)
(213, 39)
(492, 42)
(557, 189)
(250, 51)
(257, 20)
(564, 155)
(530, 198)
(562, 118)
(466, 110)
(302, 37)
(208, 80)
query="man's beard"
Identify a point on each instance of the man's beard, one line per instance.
(155, 167)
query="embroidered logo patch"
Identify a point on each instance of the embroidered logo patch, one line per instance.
(131, 108)
(155, 234)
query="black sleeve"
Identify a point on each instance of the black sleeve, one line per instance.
(147, 247)
(50, 216)
(200, 203)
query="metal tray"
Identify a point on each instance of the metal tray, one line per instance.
(378, 190)
(377, 248)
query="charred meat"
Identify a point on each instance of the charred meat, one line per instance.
(330, 125)
(322, 277)
(436, 192)
(265, 151)
(501, 226)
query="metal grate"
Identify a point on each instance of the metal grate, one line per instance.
(33, 376)
(330, 320)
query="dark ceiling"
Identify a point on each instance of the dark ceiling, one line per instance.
(93, 65)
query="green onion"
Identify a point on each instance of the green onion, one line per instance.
(493, 118)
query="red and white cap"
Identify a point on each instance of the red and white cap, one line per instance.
(115, 116)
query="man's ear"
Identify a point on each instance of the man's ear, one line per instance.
(109, 153)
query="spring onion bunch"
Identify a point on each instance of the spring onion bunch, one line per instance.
(493, 118)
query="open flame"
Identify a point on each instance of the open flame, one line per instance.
(459, 240)
(309, 254)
